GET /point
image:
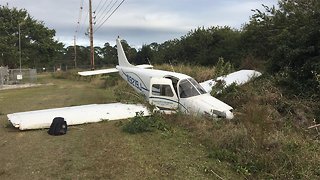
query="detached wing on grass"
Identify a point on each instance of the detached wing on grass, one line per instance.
(75, 115)
(238, 77)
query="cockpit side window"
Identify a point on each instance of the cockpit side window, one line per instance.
(162, 90)
(174, 83)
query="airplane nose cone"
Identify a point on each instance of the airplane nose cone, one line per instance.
(229, 114)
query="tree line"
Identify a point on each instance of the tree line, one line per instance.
(282, 39)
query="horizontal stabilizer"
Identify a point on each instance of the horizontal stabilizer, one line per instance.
(75, 115)
(238, 77)
(96, 72)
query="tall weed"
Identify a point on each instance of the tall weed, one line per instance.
(267, 137)
(199, 73)
(223, 67)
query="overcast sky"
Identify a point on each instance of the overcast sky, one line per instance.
(137, 21)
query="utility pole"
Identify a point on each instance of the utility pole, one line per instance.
(91, 35)
(19, 47)
(75, 52)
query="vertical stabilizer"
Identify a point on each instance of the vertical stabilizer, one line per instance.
(122, 59)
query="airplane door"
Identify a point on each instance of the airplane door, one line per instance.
(162, 94)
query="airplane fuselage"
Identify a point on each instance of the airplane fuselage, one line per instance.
(170, 91)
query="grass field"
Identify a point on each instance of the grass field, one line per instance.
(268, 138)
(94, 151)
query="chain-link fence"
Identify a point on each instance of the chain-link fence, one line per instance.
(17, 76)
(4, 75)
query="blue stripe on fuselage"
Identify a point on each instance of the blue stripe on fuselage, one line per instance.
(135, 82)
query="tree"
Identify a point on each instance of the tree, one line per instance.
(130, 52)
(98, 56)
(109, 54)
(144, 55)
(200, 46)
(38, 45)
(290, 38)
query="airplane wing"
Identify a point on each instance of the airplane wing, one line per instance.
(238, 77)
(95, 72)
(75, 115)
(110, 70)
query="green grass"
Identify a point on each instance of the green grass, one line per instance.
(54, 93)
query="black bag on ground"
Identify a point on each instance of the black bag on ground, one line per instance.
(58, 127)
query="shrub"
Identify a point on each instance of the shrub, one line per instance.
(140, 124)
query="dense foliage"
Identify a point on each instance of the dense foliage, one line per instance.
(200, 46)
(289, 38)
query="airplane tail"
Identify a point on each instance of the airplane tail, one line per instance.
(122, 59)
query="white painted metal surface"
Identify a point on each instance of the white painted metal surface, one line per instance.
(75, 115)
(96, 72)
(238, 77)
(207, 105)
(144, 66)
(111, 70)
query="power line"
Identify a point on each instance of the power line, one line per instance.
(97, 6)
(106, 12)
(84, 26)
(79, 17)
(97, 11)
(109, 15)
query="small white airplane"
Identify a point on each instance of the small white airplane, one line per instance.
(168, 91)
(171, 91)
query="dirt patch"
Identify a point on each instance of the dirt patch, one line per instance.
(17, 86)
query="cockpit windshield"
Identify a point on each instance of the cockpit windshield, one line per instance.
(198, 86)
(189, 88)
